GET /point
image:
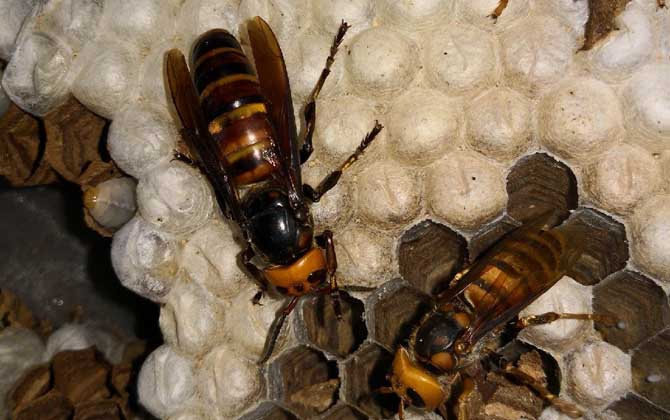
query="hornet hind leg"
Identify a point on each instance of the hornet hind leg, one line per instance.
(560, 404)
(310, 121)
(325, 241)
(332, 178)
(273, 334)
(310, 108)
(255, 272)
(549, 317)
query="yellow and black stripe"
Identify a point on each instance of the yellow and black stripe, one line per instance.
(233, 104)
(521, 267)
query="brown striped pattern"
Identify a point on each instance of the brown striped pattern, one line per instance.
(233, 104)
(522, 266)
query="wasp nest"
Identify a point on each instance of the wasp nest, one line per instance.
(488, 122)
(81, 357)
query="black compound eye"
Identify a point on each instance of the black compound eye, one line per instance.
(316, 277)
(417, 401)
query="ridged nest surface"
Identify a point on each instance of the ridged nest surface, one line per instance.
(486, 123)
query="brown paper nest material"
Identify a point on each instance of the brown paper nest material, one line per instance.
(67, 144)
(76, 384)
(14, 313)
(602, 14)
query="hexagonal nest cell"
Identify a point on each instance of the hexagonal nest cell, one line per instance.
(304, 381)
(364, 373)
(322, 329)
(268, 411)
(476, 143)
(429, 255)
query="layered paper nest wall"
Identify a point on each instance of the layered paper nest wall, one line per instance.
(486, 122)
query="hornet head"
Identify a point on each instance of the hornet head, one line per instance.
(414, 384)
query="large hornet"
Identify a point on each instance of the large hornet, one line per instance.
(240, 130)
(466, 325)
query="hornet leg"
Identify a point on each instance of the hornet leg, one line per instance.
(276, 328)
(548, 317)
(310, 108)
(182, 157)
(565, 407)
(462, 410)
(498, 10)
(332, 178)
(325, 240)
(257, 275)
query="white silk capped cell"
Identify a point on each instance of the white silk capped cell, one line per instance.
(108, 75)
(466, 189)
(566, 296)
(389, 195)
(145, 259)
(80, 336)
(627, 48)
(140, 22)
(248, 323)
(364, 256)
(285, 17)
(209, 258)
(166, 381)
(175, 198)
(434, 125)
(141, 137)
(415, 15)
(37, 78)
(623, 176)
(599, 373)
(647, 104)
(481, 12)
(500, 123)
(308, 59)
(460, 58)
(195, 17)
(191, 318)
(341, 124)
(20, 349)
(463, 96)
(536, 52)
(44, 61)
(335, 208)
(650, 229)
(580, 119)
(229, 382)
(12, 15)
(327, 14)
(381, 61)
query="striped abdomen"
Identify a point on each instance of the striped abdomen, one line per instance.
(520, 268)
(233, 104)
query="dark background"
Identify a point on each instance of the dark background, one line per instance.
(53, 262)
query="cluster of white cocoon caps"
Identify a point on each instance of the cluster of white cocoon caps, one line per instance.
(21, 349)
(462, 98)
(79, 336)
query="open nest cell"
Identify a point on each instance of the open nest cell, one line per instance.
(488, 123)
